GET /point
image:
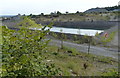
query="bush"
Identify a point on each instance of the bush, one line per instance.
(22, 52)
(105, 40)
(111, 72)
(73, 51)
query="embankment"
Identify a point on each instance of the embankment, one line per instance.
(98, 25)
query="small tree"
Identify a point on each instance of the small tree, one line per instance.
(75, 37)
(67, 12)
(30, 15)
(42, 14)
(54, 34)
(22, 51)
(77, 12)
(97, 34)
(61, 38)
(89, 39)
(59, 13)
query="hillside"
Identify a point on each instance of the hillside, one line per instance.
(103, 10)
(112, 8)
(99, 21)
(94, 18)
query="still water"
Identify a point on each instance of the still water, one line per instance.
(89, 32)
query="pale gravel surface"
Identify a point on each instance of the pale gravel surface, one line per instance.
(102, 51)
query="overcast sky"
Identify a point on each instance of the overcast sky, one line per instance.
(8, 7)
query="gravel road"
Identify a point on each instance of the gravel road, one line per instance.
(109, 52)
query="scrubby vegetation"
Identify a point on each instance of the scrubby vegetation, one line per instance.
(82, 20)
(112, 8)
(105, 40)
(79, 39)
(74, 63)
(22, 52)
(26, 52)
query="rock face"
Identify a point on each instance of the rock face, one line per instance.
(109, 36)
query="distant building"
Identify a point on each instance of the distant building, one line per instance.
(96, 10)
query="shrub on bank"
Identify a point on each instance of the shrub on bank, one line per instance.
(22, 52)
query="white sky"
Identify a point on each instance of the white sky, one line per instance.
(8, 7)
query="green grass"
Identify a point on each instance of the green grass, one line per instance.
(111, 72)
(72, 64)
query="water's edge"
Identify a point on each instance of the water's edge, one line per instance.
(89, 32)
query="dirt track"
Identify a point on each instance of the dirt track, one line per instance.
(109, 52)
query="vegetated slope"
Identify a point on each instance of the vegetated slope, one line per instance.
(114, 39)
(25, 53)
(99, 21)
(80, 20)
(12, 23)
(22, 52)
(103, 9)
(98, 10)
(112, 8)
(74, 63)
(109, 37)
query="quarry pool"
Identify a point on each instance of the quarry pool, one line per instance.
(89, 32)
